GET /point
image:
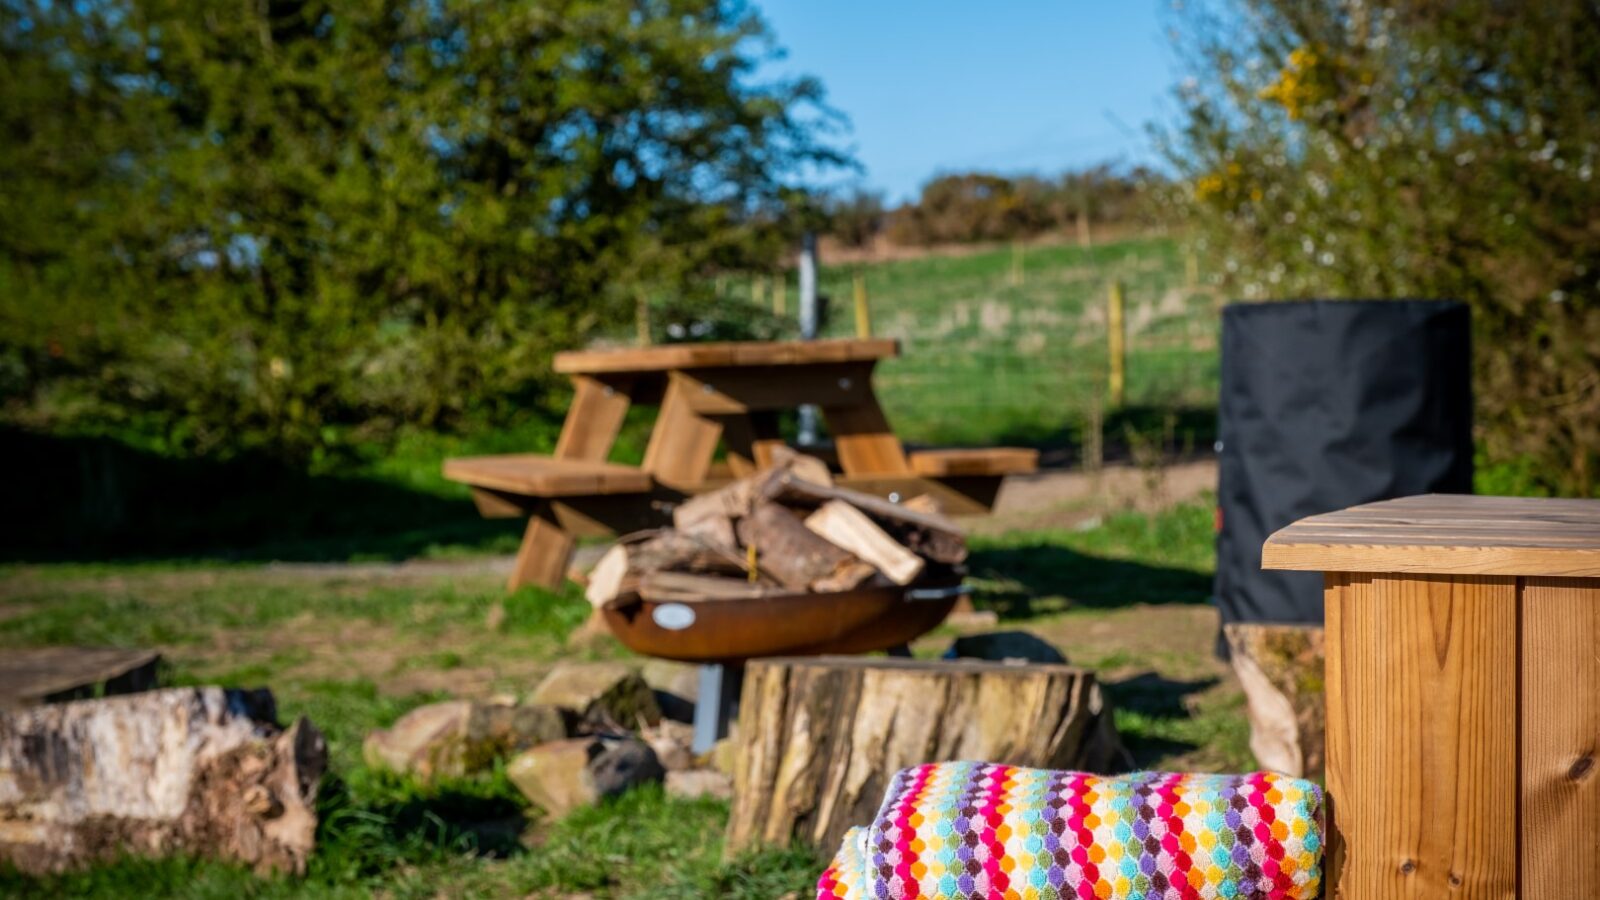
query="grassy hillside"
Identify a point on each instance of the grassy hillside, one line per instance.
(991, 357)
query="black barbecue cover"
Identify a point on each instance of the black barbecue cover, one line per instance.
(1326, 404)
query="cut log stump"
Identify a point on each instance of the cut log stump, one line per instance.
(819, 738)
(1280, 668)
(202, 771)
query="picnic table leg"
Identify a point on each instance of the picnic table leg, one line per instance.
(682, 442)
(545, 553)
(588, 433)
(594, 418)
(866, 443)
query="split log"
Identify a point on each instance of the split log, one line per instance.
(845, 526)
(682, 587)
(928, 534)
(819, 738)
(202, 771)
(796, 557)
(1281, 670)
(618, 572)
(706, 513)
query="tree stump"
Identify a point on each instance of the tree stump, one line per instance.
(1281, 670)
(820, 737)
(202, 771)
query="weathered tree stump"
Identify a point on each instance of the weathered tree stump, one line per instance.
(204, 771)
(1280, 668)
(820, 737)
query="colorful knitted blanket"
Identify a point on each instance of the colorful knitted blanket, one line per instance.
(960, 830)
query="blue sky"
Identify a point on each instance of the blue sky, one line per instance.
(1006, 85)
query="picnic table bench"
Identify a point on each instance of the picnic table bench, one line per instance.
(726, 394)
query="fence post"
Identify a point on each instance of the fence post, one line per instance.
(1191, 271)
(1016, 263)
(641, 319)
(863, 312)
(1116, 344)
(780, 294)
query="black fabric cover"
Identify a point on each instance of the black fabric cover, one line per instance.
(1326, 404)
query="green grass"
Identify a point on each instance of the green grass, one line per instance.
(338, 649)
(987, 361)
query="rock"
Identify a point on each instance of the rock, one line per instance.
(457, 737)
(555, 776)
(676, 686)
(1005, 646)
(672, 743)
(185, 771)
(603, 693)
(724, 754)
(621, 764)
(562, 776)
(693, 784)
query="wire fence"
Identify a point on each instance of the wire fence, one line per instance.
(1011, 346)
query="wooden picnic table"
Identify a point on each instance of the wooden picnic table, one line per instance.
(712, 394)
(1463, 693)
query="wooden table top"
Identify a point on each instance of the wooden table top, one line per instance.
(669, 357)
(1446, 534)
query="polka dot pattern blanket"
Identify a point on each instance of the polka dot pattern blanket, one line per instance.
(960, 830)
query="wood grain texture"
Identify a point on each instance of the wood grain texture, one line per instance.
(975, 461)
(865, 442)
(544, 554)
(820, 738)
(542, 476)
(1560, 736)
(1443, 533)
(710, 355)
(1422, 736)
(594, 418)
(682, 442)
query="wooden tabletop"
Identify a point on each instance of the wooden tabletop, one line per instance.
(1446, 534)
(669, 357)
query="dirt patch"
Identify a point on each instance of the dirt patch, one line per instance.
(1076, 498)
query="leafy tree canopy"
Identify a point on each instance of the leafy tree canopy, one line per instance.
(291, 224)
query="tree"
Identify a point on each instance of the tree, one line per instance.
(296, 223)
(1391, 149)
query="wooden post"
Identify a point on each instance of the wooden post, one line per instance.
(1191, 270)
(641, 320)
(1115, 344)
(1463, 694)
(863, 312)
(1016, 263)
(780, 295)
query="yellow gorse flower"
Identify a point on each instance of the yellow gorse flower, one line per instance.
(1301, 84)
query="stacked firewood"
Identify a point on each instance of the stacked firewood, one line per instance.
(785, 530)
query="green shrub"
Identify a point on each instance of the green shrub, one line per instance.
(298, 225)
(1394, 149)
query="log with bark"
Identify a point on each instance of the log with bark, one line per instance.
(797, 556)
(819, 738)
(202, 771)
(1281, 670)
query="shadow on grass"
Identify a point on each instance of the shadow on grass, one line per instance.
(1144, 701)
(410, 824)
(1178, 433)
(99, 499)
(1038, 578)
